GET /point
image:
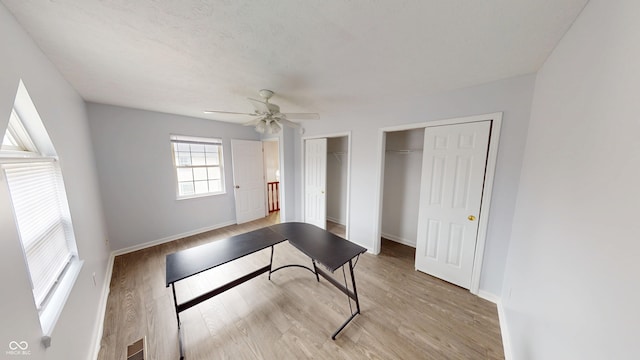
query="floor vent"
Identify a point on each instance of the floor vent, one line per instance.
(136, 351)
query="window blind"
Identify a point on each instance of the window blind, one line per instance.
(43, 224)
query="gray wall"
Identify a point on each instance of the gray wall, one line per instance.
(137, 179)
(64, 116)
(512, 96)
(290, 148)
(571, 282)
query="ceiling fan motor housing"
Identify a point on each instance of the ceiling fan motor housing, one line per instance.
(265, 94)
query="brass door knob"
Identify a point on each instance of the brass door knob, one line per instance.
(471, 217)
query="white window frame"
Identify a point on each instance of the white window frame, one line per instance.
(22, 152)
(205, 141)
(20, 141)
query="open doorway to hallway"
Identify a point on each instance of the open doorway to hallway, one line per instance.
(273, 198)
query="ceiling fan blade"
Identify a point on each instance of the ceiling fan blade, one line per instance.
(228, 112)
(302, 116)
(289, 123)
(253, 122)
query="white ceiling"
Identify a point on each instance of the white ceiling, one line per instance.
(186, 56)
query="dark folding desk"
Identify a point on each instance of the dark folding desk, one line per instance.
(328, 249)
(323, 247)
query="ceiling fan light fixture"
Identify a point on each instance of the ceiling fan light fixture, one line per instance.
(261, 126)
(274, 127)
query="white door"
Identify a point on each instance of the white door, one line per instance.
(248, 180)
(453, 168)
(315, 181)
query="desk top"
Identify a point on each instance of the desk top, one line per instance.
(185, 263)
(324, 247)
(328, 249)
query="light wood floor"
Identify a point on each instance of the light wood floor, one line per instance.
(336, 228)
(405, 314)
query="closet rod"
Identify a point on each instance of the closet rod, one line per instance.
(405, 151)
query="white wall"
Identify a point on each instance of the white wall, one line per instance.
(402, 180)
(137, 179)
(64, 116)
(572, 280)
(290, 159)
(512, 96)
(337, 171)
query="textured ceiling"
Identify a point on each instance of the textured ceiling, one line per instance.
(186, 56)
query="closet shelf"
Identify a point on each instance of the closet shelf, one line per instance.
(403, 151)
(337, 154)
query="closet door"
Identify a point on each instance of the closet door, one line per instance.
(453, 169)
(315, 182)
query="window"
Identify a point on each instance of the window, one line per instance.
(41, 211)
(16, 137)
(42, 224)
(199, 166)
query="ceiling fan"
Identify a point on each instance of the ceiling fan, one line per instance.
(267, 116)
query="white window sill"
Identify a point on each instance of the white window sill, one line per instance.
(51, 312)
(200, 195)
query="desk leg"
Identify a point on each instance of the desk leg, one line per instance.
(271, 270)
(180, 343)
(355, 291)
(315, 270)
(271, 263)
(353, 296)
(175, 304)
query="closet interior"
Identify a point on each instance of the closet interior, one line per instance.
(401, 192)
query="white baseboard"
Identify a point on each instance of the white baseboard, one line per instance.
(399, 240)
(506, 342)
(489, 296)
(170, 238)
(504, 331)
(337, 221)
(102, 308)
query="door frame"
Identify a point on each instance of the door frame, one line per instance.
(346, 134)
(483, 218)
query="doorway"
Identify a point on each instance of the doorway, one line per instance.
(337, 177)
(423, 231)
(402, 174)
(273, 188)
(326, 173)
